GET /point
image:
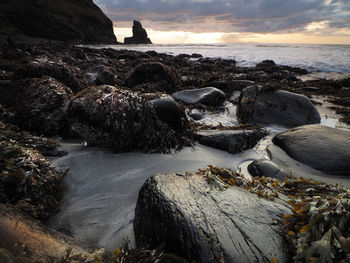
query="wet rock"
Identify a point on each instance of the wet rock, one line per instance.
(120, 120)
(240, 84)
(155, 74)
(53, 20)
(209, 96)
(203, 223)
(100, 75)
(43, 66)
(264, 106)
(267, 168)
(195, 55)
(168, 111)
(28, 181)
(321, 147)
(195, 115)
(139, 35)
(219, 84)
(231, 141)
(28, 240)
(40, 105)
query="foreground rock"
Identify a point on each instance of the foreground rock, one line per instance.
(53, 20)
(265, 106)
(122, 121)
(209, 96)
(28, 240)
(231, 141)
(321, 147)
(267, 168)
(204, 223)
(139, 35)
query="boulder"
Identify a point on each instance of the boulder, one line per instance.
(195, 114)
(240, 84)
(209, 96)
(64, 20)
(219, 84)
(139, 35)
(100, 75)
(204, 223)
(232, 141)
(267, 168)
(147, 75)
(168, 111)
(120, 120)
(40, 105)
(323, 148)
(268, 106)
(28, 240)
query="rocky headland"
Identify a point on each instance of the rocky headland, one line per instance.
(139, 35)
(150, 102)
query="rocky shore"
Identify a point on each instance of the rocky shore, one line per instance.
(128, 101)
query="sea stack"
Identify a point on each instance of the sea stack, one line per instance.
(139, 35)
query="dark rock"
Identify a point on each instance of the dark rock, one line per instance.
(100, 75)
(264, 106)
(29, 240)
(219, 84)
(6, 256)
(152, 53)
(139, 35)
(195, 115)
(321, 147)
(195, 55)
(267, 168)
(120, 120)
(231, 141)
(209, 96)
(204, 224)
(64, 20)
(168, 111)
(151, 73)
(240, 84)
(40, 105)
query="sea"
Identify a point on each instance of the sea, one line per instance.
(314, 58)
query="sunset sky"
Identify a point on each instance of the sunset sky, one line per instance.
(231, 21)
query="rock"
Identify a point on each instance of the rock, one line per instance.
(168, 111)
(6, 256)
(139, 35)
(53, 20)
(231, 141)
(264, 106)
(203, 223)
(209, 96)
(219, 84)
(120, 120)
(195, 115)
(240, 84)
(153, 73)
(267, 168)
(40, 105)
(28, 240)
(100, 75)
(321, 147)
(27, 180)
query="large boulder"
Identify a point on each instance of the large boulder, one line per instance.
(232, 141)
(139, 35)
(205, 223)
(40, 105)
(321, 147)
(120, 120)
(64, 20)
(268, 106)
(100, 75)
(209, 96)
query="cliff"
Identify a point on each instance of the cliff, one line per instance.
(79, 21)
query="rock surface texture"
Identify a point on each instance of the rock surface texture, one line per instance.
(267, 168)
(139, 35)
(321, 147)
(264, 106)
(64, 20)
(204, 224)
(209, 96)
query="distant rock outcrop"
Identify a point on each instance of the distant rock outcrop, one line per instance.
(64, 20)
(139, 35)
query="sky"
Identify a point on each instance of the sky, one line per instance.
(233, 21)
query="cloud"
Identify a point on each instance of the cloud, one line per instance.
(251, 16)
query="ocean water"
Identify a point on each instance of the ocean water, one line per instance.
(315, 58)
